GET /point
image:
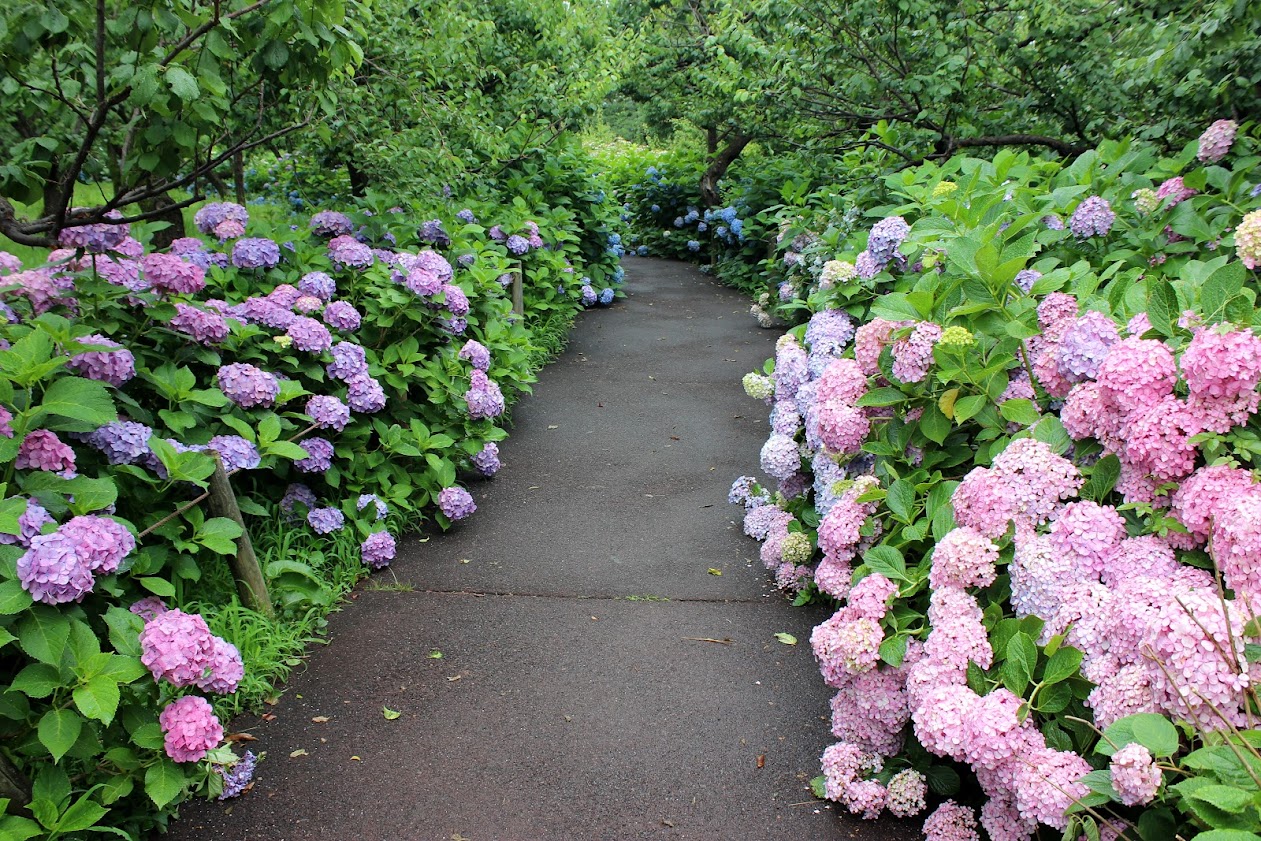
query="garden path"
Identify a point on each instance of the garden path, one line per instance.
(569, 663)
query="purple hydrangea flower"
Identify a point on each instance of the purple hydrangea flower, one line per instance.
(309, 335)
(496, 233)
(456, 301)
(330, 223)
(96, 238)
(318, 285)
(6, 422)
(454, 326)
(328, 412)
(170, 273)
(483, 397)
(505, 279)
(285, 295)
(348, 252)
(477, 354)
(364, 394)
(466, 216)
(264, 312)
(326, 520)
(382, 510)
(177, 647)
(43, 450)
(248, 386)
(319, 455)
(1093, 217)
(341, 315)
(203, 326)
(226, 668)
(235, 452)
(53, 570)
(349, 362)
(148, 608)
(378, 549)
(423, 282)
(456, 503)
(108, 366)
(607, 295)
(433, 232)
(101, 542)
(829, 331)
(236, 777)
(886, 235)
(1026, 278)
(431, 261)
(255, 253)
(466, 260)
(487, 461)
(122, 442)
(211, 216)
(517, 245)
(297, 494)
(588, 296)
(31, 522)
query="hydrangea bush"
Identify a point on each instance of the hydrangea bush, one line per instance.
(350, 371)
(1013, 446)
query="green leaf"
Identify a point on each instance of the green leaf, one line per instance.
(893, 650)
(1062, 665)
(1227, 835)
(80, 399)
(15, 828)
(1150, 730)
(185, 87)
(219, 534)
(943, 780)
(13, 599)
(901, 499)
(1223, 807)
(1021, 659)
(37, 680)
(1103, 478)
(1054, 698)
(10, 510)
(59, 730)
(881, 397)
(83, 814)
(157, 586)
(934, 424)
(786, 639)
(390, 714)
(43, 634)
(98, 698)
(887, 561)
(1220, 287)
(1162, 306)
(1021, 411)
(164, 782)
(818, 787)
(967, 407)
(285, 449)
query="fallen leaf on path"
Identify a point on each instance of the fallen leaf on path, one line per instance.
(320, 719)
(761, 760)
(723, 641)
(298, 752)
(553, 426)
(355, 759)
(268, 716)
(241, 737)
(271, 700)
(667, 823)
(675, 438)
(786, 639)
(434, 654)
(390, 714)
(466, 560)
(715, 571)
(454, 679)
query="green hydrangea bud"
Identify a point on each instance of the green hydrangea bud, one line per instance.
(796, 549)
(956, 337)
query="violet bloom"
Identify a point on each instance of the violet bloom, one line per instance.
(255, 253)
(378, 549)
(456, 503)
(248, 386)
(342, 316)
(115, 366)
(319, 455)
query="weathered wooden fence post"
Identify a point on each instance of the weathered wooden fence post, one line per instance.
(250, 584)
(518, 293)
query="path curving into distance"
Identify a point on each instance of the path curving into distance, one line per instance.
(576, 697)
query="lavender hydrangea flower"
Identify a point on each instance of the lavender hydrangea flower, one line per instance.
(96, 238)
(456, 503)
(235, 452)
(382, 510)
(236, 777)
(102, 543)
(248, 386)
(486, 462)
(326, 520)
(328, 412)
(606, 295)
(309, 335)
(53, 571)
(297, 494)
(348, 252)
(1026, 278)
(378, 549)
(329, 223)
(433, 232)
(454, 326)
(265, 312)
(318, 285)
(319, 455)
(43, 450)
(211, 217)
(466, 260)
(456, 301)
(203, 326)
(148, 608)
(115, 367)
(349, 362)
(255, 253)
(1216, 141)
(886, 235)
(170, 273)
(483, 397)
(517, 245)
(1093, 217)
(122, 442)
(341, 315)
(31, 522)
(431, 261)
(466, 216)
(496, 233)
(588, 296)
(477, 354)
(365, 394)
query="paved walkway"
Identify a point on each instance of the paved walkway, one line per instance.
(549, 658)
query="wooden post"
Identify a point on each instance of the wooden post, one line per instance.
(13, 785)
(518, 294)
(250, 584)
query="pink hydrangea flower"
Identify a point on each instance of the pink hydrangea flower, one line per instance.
(1216, 141)
(913, 354)
(870, 597)
(43, 450)
(190, 728)
(1135, 775)
(951, 822)
(177, 647)
(1135, 374)
(963, 558)
(54, 570)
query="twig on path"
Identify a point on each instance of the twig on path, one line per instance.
(726, 641)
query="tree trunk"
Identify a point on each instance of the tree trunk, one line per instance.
(13, 784)
(358, 180)
(169, 213)
(238, 177)
(718, 168)
(711, 141)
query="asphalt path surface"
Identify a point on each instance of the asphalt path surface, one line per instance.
(592, 655)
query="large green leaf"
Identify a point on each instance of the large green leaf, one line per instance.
(80, 399)
(59, 730)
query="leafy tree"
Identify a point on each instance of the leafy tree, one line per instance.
(152, 96)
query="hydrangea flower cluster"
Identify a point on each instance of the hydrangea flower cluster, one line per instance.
(486, 461)
(202, 326)
(341, 315)
(1248, 239)
(1093, 217)
(1216, 141)
(171, 274)
(248, 386)
(456, 503)
(328, 412)
(190, 729)
(115, 366)
(255, 253)
(378, 549)
(484, 399)
(346, 252)
(43, 450)
(223, 220)
(179, 648)
(329, 223)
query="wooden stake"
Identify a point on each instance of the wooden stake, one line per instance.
(518, 294)
(250, 584)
